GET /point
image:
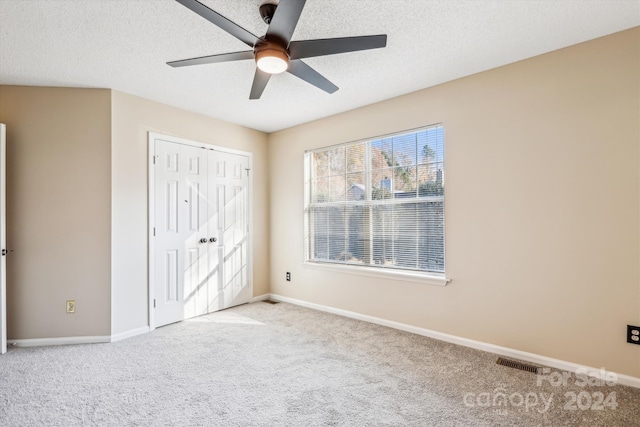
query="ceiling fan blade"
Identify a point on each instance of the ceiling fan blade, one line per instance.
(260, 81)
(222, 22)
(321, 47)
(285, 19)
(309, 75)
(212, 59)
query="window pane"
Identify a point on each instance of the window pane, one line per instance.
(431, 236)
(329, 232)
(319, 224)
(381, 153)
(404, 180)
(337, 161)
(356, 158)
(320, 162)
(320, 190)
(357, 236)
(409, 235)
(430, 180)
(337, 189)
(404, 150)
(431, 145)
(405, 236)
(356, 189)
(381, 184)
(382, 235)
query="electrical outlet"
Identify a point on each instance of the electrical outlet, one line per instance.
(633, 334)
(288, 276)
(71, 306)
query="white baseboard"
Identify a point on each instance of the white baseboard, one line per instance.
(39, 342)
(128, 334)
(259, 298)
(627, 380)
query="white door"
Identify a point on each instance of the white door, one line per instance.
(229, 188)
(201, 231)
(3, 241)
(181, 259)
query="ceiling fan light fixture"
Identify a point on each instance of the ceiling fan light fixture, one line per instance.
(272, 61)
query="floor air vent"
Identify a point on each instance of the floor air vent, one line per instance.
(268, 301)
(517, 365)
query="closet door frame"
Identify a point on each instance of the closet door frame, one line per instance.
(151, 276)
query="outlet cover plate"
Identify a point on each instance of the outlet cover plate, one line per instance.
(71, 306)
(633, 334)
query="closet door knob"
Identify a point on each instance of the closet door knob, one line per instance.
(213, 239)
(203, 240)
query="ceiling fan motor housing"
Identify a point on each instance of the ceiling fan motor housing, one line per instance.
(266, 11)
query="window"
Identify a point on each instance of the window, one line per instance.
(378, 203)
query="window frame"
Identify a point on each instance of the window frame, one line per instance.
(394, 272)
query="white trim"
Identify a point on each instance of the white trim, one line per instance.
(130, 333)
(151, 290)
(373, 203)
(396, 274)
(3, 238)
(38, 342)
(622, 379)
(152, 136)
(250, 200)
(376, 137)
(259, 298)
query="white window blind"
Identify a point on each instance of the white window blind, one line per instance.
(378, 203)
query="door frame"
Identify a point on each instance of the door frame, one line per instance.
(3, 238)
(152, 136)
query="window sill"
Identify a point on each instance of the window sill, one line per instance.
(407, 276)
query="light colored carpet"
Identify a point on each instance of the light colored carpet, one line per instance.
(277, 365)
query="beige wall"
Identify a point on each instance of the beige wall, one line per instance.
(58, 210)
(133, 118)
(542, 206)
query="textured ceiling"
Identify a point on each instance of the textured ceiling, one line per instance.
(125, 44)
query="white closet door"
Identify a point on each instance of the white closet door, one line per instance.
(181, 216)
(229, 187)
(196, 242)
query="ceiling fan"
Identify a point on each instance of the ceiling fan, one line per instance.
(274, 52)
